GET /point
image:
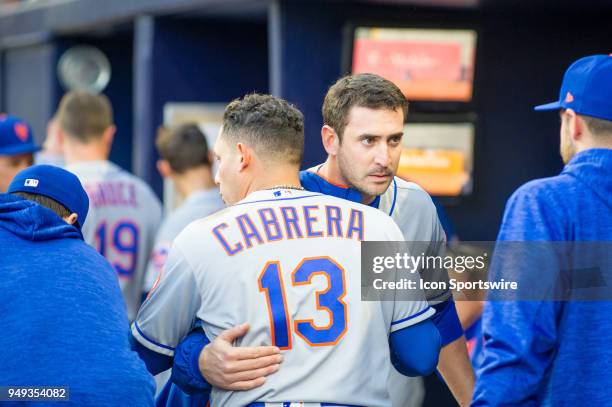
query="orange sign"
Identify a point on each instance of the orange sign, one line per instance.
(423, 70)
(439, 172)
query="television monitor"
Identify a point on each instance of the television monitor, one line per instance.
(438, 157)
(427, 64)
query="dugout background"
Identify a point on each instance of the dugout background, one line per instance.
(215, 50)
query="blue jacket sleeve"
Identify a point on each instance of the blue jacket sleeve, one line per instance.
(447, 321)
(423, 336)
(155, 362)
(519, 336)
(186, 370)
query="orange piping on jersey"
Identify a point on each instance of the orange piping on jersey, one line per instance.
(319, 306)
(333, 220)
(269, 306)
(293, 221)
(156, 283)
(336, 184)
(230, 252)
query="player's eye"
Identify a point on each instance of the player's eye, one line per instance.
(395, 140)
(367, 141)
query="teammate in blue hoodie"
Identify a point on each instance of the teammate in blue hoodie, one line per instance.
(558, 352)
(63, 318)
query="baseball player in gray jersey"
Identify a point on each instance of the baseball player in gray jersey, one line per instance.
(286, 261)
(124, 213)
(186, 160)
(364, 119)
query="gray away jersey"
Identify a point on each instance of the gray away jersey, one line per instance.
(415, 214)
(123, 217)
(197, 205)
(288, 263)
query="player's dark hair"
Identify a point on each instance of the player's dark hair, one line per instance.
(364, 90)
(598, 127)
(268, 124)
(184, 147)
(84, 116)
(59, 209)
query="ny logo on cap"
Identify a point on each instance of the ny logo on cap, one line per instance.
(21, 130)
(31, 182)
(569, 98)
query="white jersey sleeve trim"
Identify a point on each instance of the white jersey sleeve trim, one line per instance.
(412, 319)
(150, 343)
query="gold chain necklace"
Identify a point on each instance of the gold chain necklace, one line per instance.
(286, 187)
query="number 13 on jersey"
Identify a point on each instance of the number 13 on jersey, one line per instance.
(328, 300)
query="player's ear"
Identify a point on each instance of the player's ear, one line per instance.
(108, 136)
(576, 124)
(331, 140)
(164, 168)
(244, 156)
(71, 219)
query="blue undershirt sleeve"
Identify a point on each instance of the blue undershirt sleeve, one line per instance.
(155, 362)
(423, 336)
(186, 370)
(447, 321)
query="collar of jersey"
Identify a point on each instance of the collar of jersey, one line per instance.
(314, 182)
(276, 194)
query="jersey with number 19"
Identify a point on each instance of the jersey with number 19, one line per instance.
(123, 218)
(288, 263)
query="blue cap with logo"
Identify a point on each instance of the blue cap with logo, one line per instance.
(586, 88)
(55, 183)
(15, 136)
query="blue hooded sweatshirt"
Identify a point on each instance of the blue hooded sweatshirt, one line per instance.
(553, 352)
(62, 316)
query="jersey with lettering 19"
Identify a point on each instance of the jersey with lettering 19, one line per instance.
(288, 263)
(123, 218)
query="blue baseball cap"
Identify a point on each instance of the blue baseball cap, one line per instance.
(586, 88)
(55, 183)
(15, 136)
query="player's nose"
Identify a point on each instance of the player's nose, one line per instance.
(383, 156)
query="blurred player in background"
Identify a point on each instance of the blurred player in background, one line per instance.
(287, 261)
(17, 148)
(52, 152)
(364, 123)
(124, 212)
(555, 352)
(186, 160)
(62, 315)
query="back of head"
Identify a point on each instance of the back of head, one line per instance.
(53, 187)
(49, 203)
(84, 116)
(601, 129)
(270, 125)
(184, 148)
(363, 90)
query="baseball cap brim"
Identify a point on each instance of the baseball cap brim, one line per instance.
(549, 106)
(19, 149)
